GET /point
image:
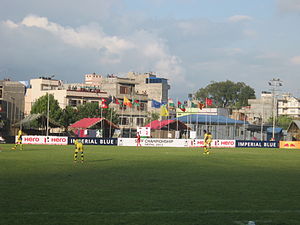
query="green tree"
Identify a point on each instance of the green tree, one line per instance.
(92, 110)
(111, 115)
(41, 106)
(69, 116)
(226, 94)
(88, 110)
(151, 117)
(281, 121)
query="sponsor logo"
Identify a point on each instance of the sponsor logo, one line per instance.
(290, 144)
(257, 144)
(95, 141)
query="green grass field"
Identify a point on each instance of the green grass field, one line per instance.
(160, 186)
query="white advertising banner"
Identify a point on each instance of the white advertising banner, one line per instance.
(44, 140)
(214, 144)
(153, 142)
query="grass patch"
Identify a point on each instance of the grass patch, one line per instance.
(129, 185)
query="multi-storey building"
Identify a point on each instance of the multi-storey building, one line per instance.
(120, 88)
(137, 88)
(11, 105)
(261, 109)
(155, 87)
(65, 94)
(289, 106)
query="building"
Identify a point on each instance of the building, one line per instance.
(156, 88)
(141, 88)
(294, 131)
(259, 111)
(137, 88)
(289, 106)
(11, 105)
(65, 94)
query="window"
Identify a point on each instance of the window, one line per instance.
(123, 121)
(139, 121)
(72, 103)
(124, 90)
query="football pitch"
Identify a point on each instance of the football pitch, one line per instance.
(139, 186)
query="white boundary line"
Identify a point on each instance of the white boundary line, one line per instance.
(268, 211)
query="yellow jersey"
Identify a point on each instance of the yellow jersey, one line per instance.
(78, 144)
(20, 134)
(207, 137)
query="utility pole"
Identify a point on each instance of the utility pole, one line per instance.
(274, 83)
(48, 106)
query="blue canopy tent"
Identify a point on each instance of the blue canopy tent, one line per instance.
(278, 133)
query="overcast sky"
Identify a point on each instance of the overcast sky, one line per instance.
(190, 42)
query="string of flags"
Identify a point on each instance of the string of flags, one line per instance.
(164, 106)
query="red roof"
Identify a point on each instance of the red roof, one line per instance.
(158, 125)
(89, 122)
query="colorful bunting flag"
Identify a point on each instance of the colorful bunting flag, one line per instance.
(201, 105)
(171, 104)
(135, 102)
(127, 102)
(164, 111)
(104, 103)
(208, 101)
(156, 104)
(115, 100)
(181, 106)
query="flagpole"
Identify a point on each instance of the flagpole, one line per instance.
(234, 129)
(101, 125)
(130, 122)
(131, 116)
(206, 115)
(197, 124)
(122, 113)
(160, 129)
(168, 118)
(110, 122)
(139, 110)
(176, 116)
(244, 127)
(217, 132)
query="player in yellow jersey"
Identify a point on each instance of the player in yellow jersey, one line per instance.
(78, 148)
(207, 141)
(19, 141)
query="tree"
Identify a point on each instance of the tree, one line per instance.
(41, 106)
(227, 94)
(92, 110)
(281, 121)
(68, 116)
(111, 115)
(88, 110)
(151, 117)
